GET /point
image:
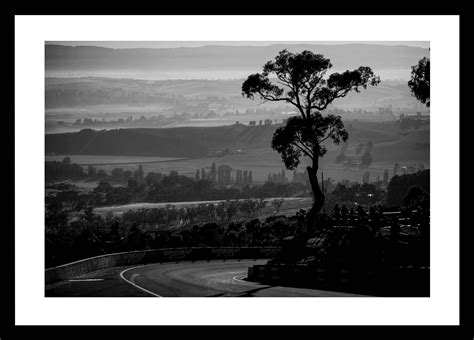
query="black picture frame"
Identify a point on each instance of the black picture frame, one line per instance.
(8, 328)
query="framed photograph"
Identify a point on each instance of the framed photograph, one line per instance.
(285, 169)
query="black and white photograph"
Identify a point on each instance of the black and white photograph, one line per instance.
(230, 169)
(237, 169)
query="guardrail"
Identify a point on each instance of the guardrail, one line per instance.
(74, 269)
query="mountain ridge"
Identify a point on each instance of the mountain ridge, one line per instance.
(222, 57)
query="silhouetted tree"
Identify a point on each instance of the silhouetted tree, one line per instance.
(414, 195)
(300, 82)
(103, 187)
(140, 172)
(101, 173)
(420, 81)
(91, 171)
(213, 172)
(399, 186)
(117, 173)
(127, 174)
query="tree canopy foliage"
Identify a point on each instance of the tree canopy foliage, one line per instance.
(420, 81)
(304, 137)
(300, 81)
(399, 186)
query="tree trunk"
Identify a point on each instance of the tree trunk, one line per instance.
(318, 196)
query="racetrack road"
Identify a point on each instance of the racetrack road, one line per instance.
(212, 279)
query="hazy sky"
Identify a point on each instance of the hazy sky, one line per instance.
(168, 44)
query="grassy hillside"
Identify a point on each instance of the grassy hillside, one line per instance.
(194, 143)
(172, 142)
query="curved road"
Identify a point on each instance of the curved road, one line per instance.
(214, 278)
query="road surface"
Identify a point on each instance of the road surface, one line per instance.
(212, 279)
(215, 278)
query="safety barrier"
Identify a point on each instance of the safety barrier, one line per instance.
(376, 281)
(322, 277)
(74, 269)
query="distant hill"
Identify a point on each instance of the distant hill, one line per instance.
(172, 142)
(218, 58)
(196, 142)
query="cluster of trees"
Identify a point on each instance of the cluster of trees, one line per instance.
(117, 174)
(170, 216)
(156, 188)
(66, 170)
(402, 190)
(278, 177)
(92, 234)
(399, 186)
(63, 170)
(362, 244)
(230, 223)
(355, 194)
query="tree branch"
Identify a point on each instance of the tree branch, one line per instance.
(329, 135)
(298, 101)
(298, 136)
(275, 99)
(303, 150)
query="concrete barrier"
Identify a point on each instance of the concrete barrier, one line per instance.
(74, 269)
